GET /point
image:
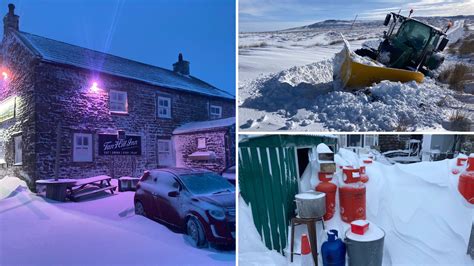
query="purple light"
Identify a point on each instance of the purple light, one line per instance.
(95, 87)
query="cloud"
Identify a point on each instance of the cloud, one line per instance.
(426, 8)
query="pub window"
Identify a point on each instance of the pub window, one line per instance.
(215, 112)
(201, 143)
(164, 107)
(82, 150)
(2, 152)
(165, 153)
(118, 102)
(18, 150)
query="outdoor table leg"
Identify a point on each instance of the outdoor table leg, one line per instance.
(292, 244)
(313, 241)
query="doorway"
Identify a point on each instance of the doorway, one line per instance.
(302, 159)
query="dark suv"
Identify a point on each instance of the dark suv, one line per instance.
(198, 201)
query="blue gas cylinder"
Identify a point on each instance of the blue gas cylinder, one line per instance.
(333, 250)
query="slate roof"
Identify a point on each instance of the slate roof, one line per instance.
(63, 53)
(204, 125)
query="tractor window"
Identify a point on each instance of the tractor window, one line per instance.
(414, 35)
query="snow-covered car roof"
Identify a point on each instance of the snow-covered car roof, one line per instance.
(49, 50)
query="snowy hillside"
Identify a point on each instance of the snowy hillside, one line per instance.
(425, 219)
(285, 82)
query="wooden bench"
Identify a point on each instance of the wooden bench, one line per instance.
(88, 186)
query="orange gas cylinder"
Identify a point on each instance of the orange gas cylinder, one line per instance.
(352, 202)
(466, 181)
(363, 176)
(350, 175)
(330, 189)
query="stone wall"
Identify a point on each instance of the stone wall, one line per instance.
(19, 64)
(55, 101)
(65, 99)
(217, 141)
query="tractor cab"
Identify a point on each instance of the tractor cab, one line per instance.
(411, 44)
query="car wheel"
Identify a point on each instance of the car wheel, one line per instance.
(139, 209)
(195, 232)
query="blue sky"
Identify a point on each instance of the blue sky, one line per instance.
(262, 15)
(149, 31)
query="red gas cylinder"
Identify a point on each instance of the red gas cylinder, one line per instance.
(330, 190)
(466, 181)
(352, 202)
(363, 176)
(350, 175)
(325, 177)
(461, 161)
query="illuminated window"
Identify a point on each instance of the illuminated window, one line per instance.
(215, 112)
(118, 102)
(18, 150)
(164, 107)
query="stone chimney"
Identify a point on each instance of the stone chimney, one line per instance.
(10, 21)
(182, 66)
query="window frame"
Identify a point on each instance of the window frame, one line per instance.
(212, 115)
(201, 143)
(16, 157)
(169, 152)
(116, 102)
(168, 108)
(75, 159)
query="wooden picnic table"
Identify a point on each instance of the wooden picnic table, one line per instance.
(76, 188)
(88, 186)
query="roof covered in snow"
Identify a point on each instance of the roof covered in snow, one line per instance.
(204, 125)
(63, 53)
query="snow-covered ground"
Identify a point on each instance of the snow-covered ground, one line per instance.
(285, 83)
(425, 219)
(101, 231)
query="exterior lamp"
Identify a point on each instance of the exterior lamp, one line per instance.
(95, 87)
(4, 75)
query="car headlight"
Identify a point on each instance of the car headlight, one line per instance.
(217, 214)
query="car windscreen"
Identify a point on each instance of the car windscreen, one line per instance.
(206, 183)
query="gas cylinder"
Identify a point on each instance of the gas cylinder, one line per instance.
(350, 175)
(352, 202)
(363, 176)
(466, 181)
(330, 189)
(333, 250)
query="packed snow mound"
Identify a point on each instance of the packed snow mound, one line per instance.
(425, 219)
(10, 186)
(381, 107)
(252, 251)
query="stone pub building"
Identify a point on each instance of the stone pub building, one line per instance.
(71, 112)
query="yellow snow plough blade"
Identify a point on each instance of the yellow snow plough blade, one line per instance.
(363, 74)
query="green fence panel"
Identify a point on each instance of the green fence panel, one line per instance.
(267, 180)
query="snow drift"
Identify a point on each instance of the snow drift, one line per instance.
(425, 218)
(381, 107)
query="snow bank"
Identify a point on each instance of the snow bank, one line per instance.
(456, 32)
(382, 107)
(252, 251)
(425, 219)
(101, 231)
(9, 186)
